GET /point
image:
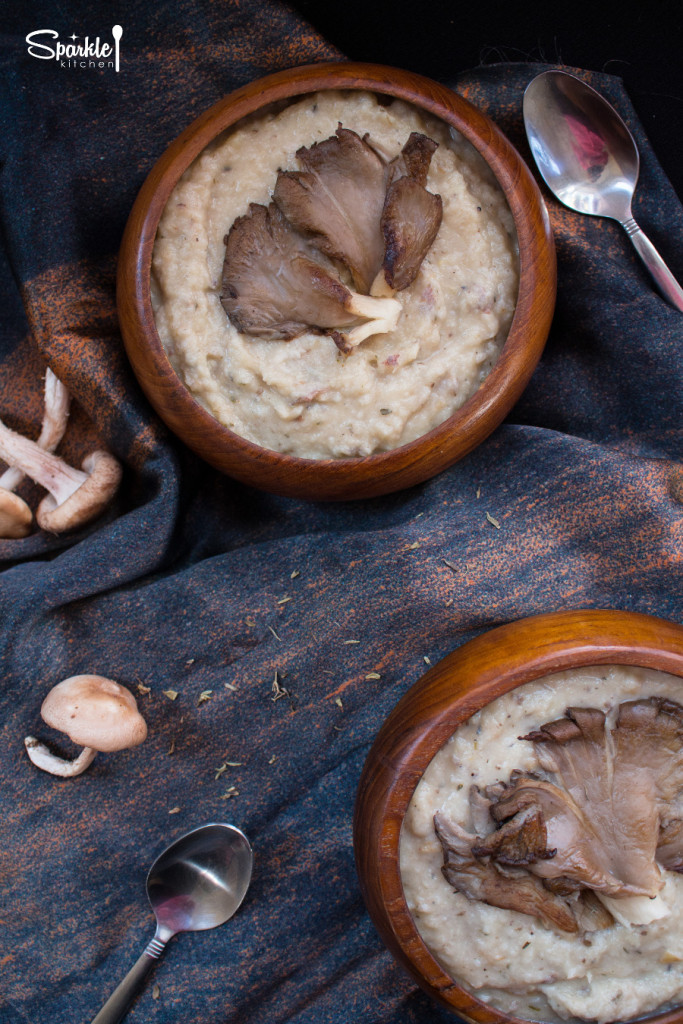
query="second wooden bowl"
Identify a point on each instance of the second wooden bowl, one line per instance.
(347, 478)
(446, 697)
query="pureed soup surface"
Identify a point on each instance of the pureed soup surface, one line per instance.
(507, 958)
(303, 396)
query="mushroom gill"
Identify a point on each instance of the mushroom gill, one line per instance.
(604, 819)
(410, 221)
(276, 286)
(374, 216)
(484, 880)
(337, 199)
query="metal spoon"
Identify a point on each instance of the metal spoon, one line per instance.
(589, 160)
(197, 883)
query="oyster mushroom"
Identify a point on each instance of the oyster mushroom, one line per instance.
(96, 713)
(338, 200)
(373, 215)
(275, 286)
(410, 222)
(75, 496)
(482, 879)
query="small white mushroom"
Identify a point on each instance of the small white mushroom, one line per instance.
(75, 496)
(55, 418)
(94, 712)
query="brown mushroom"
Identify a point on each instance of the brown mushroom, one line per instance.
(338, 200)
(75, 496)
(411, 219)
(16, 517)
(276, 286)
(483, 879)
(373, 215)
(94, 712)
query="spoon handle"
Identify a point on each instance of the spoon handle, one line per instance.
(117, 1004)
(663, 278)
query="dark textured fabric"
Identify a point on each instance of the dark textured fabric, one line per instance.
(194, 583)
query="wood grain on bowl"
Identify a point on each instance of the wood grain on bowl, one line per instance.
(460, 685)
(381, 473)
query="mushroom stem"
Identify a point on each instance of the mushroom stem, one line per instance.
(49, 762)
(51, 472)
(381, 317)
(55, 417)
(635, 910)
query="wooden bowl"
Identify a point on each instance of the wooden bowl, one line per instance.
(384, 472)
(445, 697)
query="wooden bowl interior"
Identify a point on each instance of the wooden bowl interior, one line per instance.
(382, 472)
(445, 697)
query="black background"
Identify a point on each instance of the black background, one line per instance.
(640, 42)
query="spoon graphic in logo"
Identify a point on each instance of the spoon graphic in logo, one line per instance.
(117, 32)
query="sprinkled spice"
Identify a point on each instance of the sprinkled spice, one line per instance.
(449, 564)
(156, 991)
(414, 546)
(275, 634)
(295, 574)
(373, 675)
(172, 746)
(174, 810)
(141, 688)
(493, 521)
(278, 691)
(171, 694)
(338, 702)
(284, 600)
(204, 696)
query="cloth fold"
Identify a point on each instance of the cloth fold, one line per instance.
(287, 629)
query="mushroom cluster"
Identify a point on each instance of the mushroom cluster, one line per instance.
(349, 211)
(601, 818)
(75, 496)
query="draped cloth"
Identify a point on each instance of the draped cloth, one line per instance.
(287, 629)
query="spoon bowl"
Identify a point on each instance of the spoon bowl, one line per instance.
(589, 160)
(198, 882)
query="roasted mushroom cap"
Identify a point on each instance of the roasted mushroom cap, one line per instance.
(338, 200)
(358, 208)
(96, 713)
(612, 816)
(482, 879)
(276, 286)
(411, 219)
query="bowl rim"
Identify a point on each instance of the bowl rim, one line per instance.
(448, 441)
(462, 683)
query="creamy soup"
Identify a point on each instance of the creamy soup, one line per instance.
(507, 958)
(303, 396)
